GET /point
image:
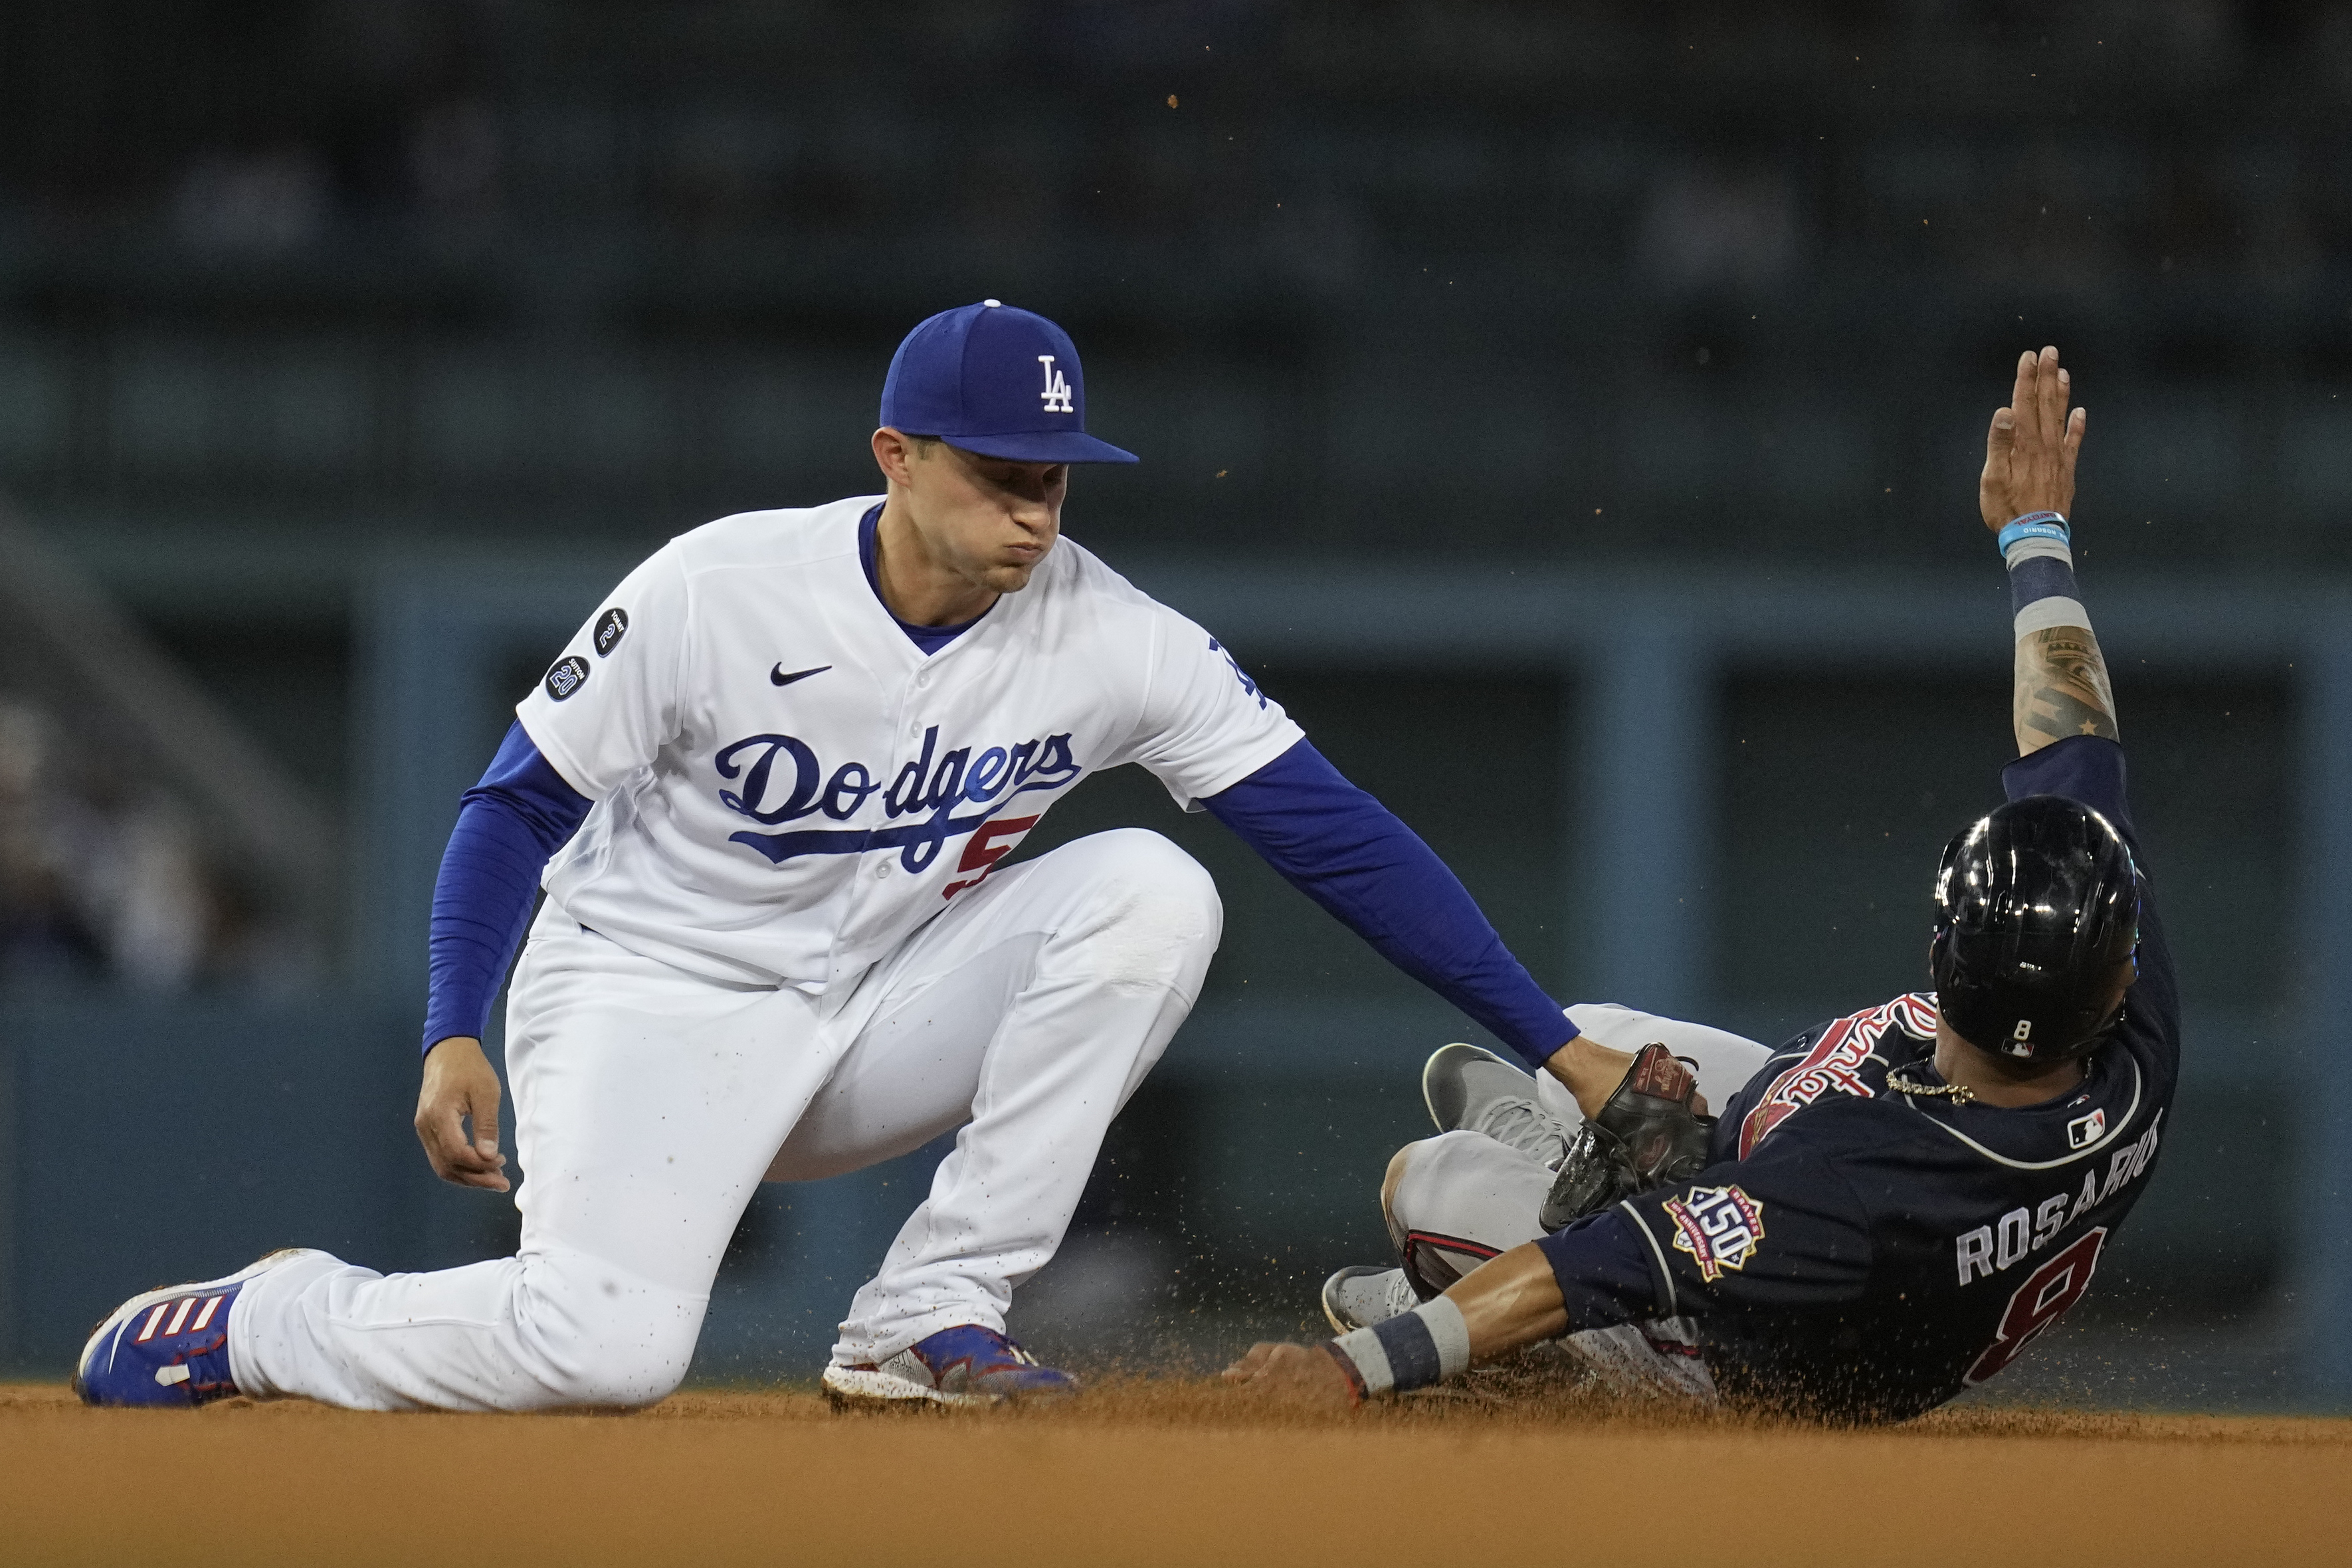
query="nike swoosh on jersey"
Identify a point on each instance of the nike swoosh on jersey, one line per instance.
(777, 676)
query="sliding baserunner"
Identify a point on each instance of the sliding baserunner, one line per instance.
(1899, 1201)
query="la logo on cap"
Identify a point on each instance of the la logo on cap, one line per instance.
(995, 381)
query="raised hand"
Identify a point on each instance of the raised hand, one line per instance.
(2030, 451)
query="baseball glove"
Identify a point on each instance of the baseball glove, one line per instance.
(1645, 1136)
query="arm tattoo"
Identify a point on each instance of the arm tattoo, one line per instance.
(2061, 688)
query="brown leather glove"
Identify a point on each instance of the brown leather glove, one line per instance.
(1646, 1135)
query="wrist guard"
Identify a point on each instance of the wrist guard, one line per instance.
(1410, 1351)
(1645, 1136)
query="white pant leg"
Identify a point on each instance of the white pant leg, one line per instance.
(647, 1103)
(1458, 1199)
(1461, 1198)
(1725, 1060)
(1026, 1014)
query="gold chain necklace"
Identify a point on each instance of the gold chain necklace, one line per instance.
(1957, 1093)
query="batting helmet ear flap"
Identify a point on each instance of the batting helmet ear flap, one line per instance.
(2037, 908)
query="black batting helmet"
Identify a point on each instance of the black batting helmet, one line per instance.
(2037, 908)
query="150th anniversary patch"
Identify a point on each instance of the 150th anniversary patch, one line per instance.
(610, 626)
(566, 676)
(1720, 1227)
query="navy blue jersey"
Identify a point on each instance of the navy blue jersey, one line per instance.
(1860, 1253)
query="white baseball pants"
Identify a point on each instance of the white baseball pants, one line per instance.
(649, 1103)
(1457, 1199)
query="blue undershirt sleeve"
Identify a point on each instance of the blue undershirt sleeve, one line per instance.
(1349, 854)
(509, 826)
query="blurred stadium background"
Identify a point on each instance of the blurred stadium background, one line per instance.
(1569, 411)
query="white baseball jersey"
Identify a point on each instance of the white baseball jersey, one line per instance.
(786, 786)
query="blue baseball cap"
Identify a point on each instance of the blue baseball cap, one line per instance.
(995, 380)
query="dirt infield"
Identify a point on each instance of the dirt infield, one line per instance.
(1163, 1472)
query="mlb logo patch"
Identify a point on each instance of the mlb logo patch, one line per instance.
(1720, 1227)
(2086, 1131)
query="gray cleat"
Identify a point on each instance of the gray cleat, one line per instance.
(1359, 1297)
(1473, 1090)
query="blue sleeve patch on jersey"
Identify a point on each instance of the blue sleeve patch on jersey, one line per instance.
(565, 676)
(1349, 854)
(509, 826)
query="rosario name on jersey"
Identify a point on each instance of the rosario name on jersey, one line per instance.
(1862, 1254)
(786, 786)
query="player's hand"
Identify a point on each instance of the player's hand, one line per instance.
(460, 1087)
(1295, 1374)
(2030, 450)
(1592, 1072)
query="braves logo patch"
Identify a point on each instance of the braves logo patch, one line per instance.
(1835, 1064)
(1720, 1227)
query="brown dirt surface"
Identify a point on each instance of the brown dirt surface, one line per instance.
(1157, 1471)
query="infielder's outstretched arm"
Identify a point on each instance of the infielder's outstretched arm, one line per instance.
(1350, 854)
(2026, 494)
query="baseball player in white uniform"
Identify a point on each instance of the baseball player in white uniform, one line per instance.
(768, 790)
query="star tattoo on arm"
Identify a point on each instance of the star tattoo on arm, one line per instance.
(2061, 688)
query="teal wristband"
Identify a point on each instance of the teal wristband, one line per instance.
(2034, 525)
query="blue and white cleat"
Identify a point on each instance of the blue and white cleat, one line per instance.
(966, 1366)
(169, 1346)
